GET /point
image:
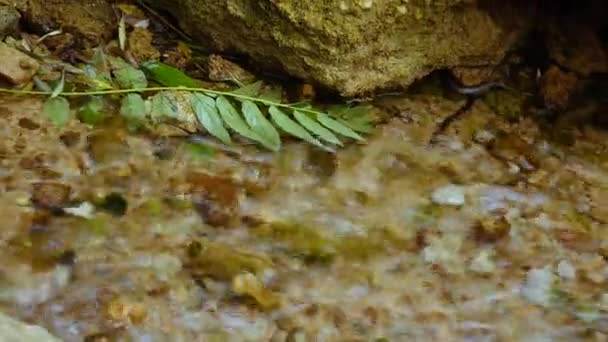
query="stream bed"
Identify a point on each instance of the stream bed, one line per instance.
(492, 233)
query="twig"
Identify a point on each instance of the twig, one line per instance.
(164, 21)
(445, 124)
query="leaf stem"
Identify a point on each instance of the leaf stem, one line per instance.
(155, 89)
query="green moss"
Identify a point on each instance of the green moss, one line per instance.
(223, 262)
(153, 207)
(299, 240)
(310, 244)
(506, 103)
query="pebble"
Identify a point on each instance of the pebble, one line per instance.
(566, 270)
(14, 330)
(17, 67)
(537, 288)
(9, 20)
(483, 262)
(449, 195)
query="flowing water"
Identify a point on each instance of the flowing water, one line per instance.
(493, 233)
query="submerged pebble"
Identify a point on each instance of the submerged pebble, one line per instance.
(566, 270)
(451, 194)
(537, 287)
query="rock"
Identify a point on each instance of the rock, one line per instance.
(9, 20)
(215, 198)
(483, 262)
(449, 195)
(51, 195)
(91, 22)
(537, 288)
(223, 70)
(491, 229)
(140, 45)
(557, 88)
(356, 47)
(574, 44)
(599, 203)
(17, 67)
(14, 330)
(246, 284)
(565, 270)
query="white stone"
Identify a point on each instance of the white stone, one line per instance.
(566, 270)
(483, 262)
(84, 210)
(449, 195)
(14, 330)
(537, 288)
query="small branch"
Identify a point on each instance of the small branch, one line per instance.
(445, 124)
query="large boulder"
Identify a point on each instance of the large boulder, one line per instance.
(90, 22)
(358, 46)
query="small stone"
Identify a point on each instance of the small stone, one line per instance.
(557, 87)
(367, 4)
(599, 203)
(123, 310)
(483, 262)
(84, 210)
(566, 270)
(491, 229)
(140, 45)
(537, 288)
(9, 20)
(246, 284)
(50, 195)
(17, 67)
(14, 330)
(604, 301)
(216, 198)
(449, 195)
(223, 70)
(484, 137)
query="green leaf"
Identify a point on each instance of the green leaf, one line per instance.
(174, 107)
(133, 108)
(131, 78)
(272, 94)
(261, 126)
(59, 88)
(95, 79)
(99, 60)
(42, 85)
(162, 106)
(103, 81)
(200, 151)
(316, 128)
(291, 127)
(92, 111)
(57, 109)
(358, 118)
(361, 111)
(337, 127)
(117, 62)
(359, 125)
(208, 116)
(250, 90)
(122, 33)
(338, 110)
(168, 76)
(232, 118)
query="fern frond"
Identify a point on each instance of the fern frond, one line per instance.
(255, 111)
